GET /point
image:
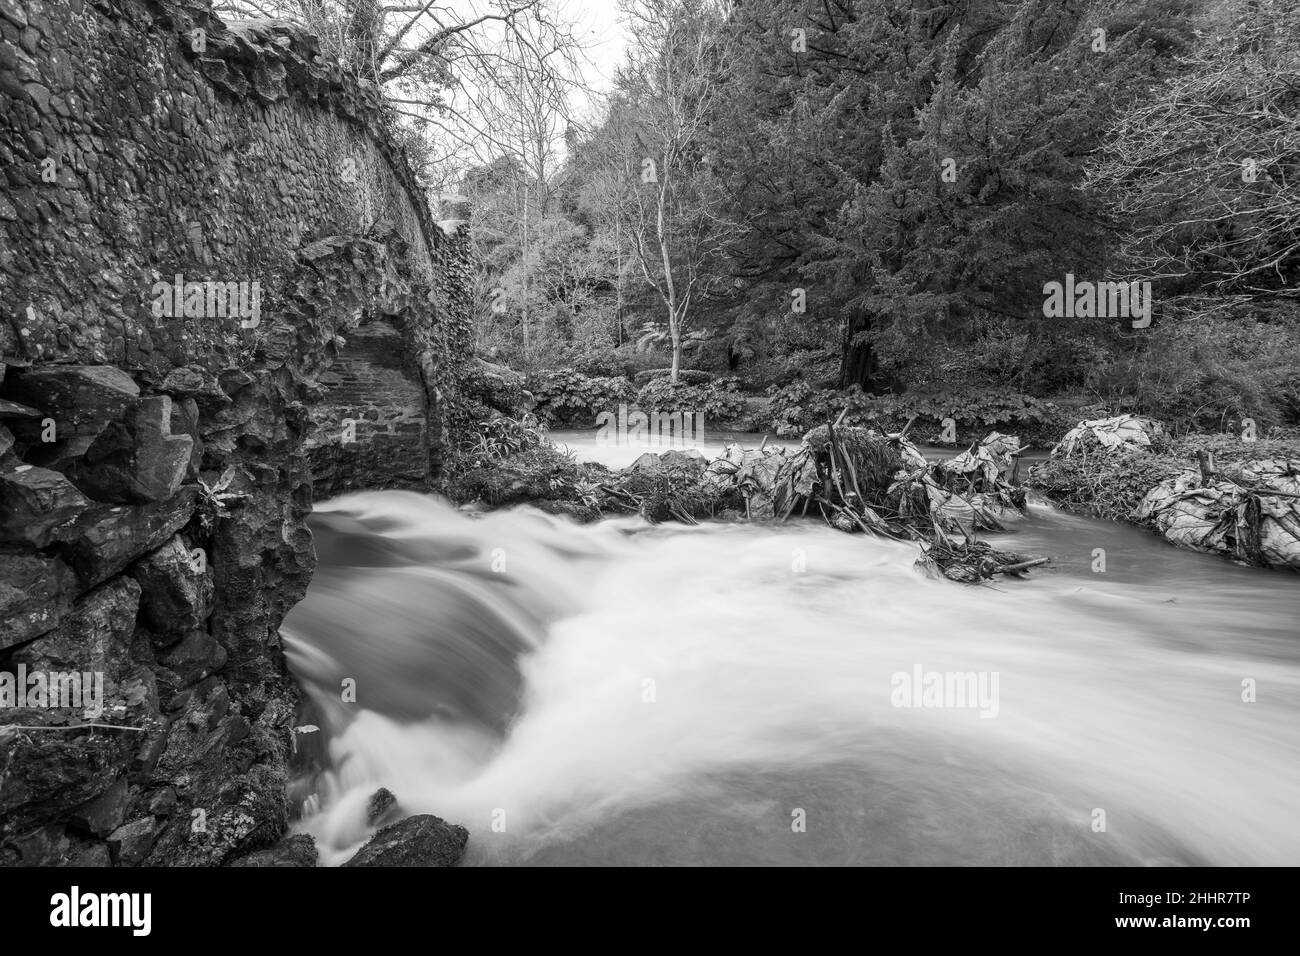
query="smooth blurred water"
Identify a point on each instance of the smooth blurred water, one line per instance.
(691, 695)
(588, 445)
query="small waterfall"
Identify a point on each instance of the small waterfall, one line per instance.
(618, 693)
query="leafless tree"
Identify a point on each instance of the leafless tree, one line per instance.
(667, 93)
(454, 68)
(1206, 171)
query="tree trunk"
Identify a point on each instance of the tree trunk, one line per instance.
(677, 350)
(618, 280)
(858, 364)
(674, 319)
(524, 311)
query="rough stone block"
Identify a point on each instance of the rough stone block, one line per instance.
(81, 398)
(136, 459)
(110, 538)
(36, 592)
(37, 506)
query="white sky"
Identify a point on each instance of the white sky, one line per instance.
(602, 34)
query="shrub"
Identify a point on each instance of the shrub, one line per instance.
(685, 376)
(493, 386)
(600, 365)
(1207, 372)
(541, 473)
(719, 402)
(567, 397)
(1107, 485)
(798, 407)
(501, 436)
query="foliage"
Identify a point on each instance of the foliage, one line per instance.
(1108, 485)
(798, 407)
(604, 363)
(717, 401)
(501, 436)
(668, 490)
(568, 397)
(493, 387)
(540, 473)
(1199, 371)
(1231, 449)
(834, 157)
(1111, 484)
(685, 376)
(822, 238)
(1203, 169)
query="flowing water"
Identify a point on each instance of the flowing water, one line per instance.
(730, 694)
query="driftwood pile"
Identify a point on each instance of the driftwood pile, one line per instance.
(857, 480)
(861, 480)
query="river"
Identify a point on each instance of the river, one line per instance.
(740, 695)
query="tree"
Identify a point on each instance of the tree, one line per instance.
(448, 69)
(1205, 172)
(834, 152)
(667, 94)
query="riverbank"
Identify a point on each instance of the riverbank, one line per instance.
(1216, 493)
(1107, 482)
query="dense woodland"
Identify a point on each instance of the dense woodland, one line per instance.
(782, 208)
(1165, 149)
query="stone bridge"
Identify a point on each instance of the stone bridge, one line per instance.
(222, 292)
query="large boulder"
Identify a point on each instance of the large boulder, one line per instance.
(197, 656)
(36, 593)
(103, 814)
(18, 412)
(185, 421)
(81, 398)
(130, 844)
(136, 459)
(37, 506)
(95, 636)
(197, 383)
(110, 538)
(51, 773)
(177, 591)
(422, 840)
(295, 851)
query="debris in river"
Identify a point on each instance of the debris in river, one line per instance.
(971, 562)
(1249, 511)
(968, 491)
(856, 479)
(862, 480)
(749, 472)
(1106, 434)
(663, 487)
